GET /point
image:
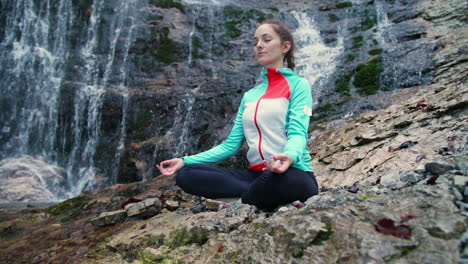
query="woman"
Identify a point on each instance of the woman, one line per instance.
(273, 118)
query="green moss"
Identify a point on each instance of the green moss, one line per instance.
(344, 4)
(232, 30)
(164, 47)
(368, 196)
(70, 208)
(367, 77)
(259, 225)
(358, 42)
(375, 51)
(324, 108)
(256, 14)
(342, 84)
(184, 237)
(403, 252)
(232, 12)
(236, 16)
(167, 4)
(332, 17)
(196, 47)
(342, 87)
(274, 9)
(323, 236)
(368, 21)
(375, 42)
(147, 258)
(350, 57)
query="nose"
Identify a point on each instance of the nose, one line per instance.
(259, 45)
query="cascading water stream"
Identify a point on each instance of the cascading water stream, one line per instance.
(315, 61)
(44, 53)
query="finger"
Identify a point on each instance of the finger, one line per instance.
(267, 166)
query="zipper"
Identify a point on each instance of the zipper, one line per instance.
(258, 129)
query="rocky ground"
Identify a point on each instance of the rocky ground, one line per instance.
(393, 190)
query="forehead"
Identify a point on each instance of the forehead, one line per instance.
(265, 29)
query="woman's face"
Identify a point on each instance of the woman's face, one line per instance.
(268, 49)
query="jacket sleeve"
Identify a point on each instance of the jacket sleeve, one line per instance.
(300, 110)
(229, 147)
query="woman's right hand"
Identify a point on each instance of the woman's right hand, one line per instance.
(170, 167)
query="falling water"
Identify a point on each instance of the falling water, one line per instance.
(315, 61)
(49, 63)
(383, 34)
(195, 12)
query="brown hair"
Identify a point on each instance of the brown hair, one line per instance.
(285, 35)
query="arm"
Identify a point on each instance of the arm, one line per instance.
(300, 110)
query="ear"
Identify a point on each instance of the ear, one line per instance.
(286, 46)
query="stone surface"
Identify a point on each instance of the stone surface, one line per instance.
(109, 218)
(146, 208)
(213, 205)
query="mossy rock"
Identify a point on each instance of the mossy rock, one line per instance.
(163, 48)
(167, 4)
(375, 51)
(344, 4)
(70, 208)
(358, 42)
(367, 77)
(184, 237)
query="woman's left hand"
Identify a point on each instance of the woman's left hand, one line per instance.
(279, 163)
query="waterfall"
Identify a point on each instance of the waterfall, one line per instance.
(33, 56)
(315, 61)
(194, 18)
(56, 79)
(122, 84)
(383, 35)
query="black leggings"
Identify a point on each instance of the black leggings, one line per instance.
(266, 190)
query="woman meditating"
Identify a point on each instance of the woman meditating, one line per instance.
(273, 118)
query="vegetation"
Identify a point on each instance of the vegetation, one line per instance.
(368, 22)
(184, 237)
(332, 17)
(358, 42)
(375, 51)
(367, 77)
(324, 236)
(324, 108)
(350, 57)
(235, 16)
(70, 208)
(344, 4)
(233, 31)
(342, 84)
(167, 4)
(196, 46)
(164, 46)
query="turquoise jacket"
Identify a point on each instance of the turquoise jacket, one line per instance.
(273, 118)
